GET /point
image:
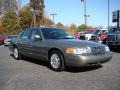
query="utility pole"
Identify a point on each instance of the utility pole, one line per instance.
(118, 18)
(108, 13)
(85, 12)
(53, 16)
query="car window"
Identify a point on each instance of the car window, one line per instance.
(25, 34)
(34, 32)
(96, 32)
(103, 32)
(53, 33)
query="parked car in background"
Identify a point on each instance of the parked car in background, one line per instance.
(102, 34)
(8, 38)
(2, 38)
(87, 35)
(59, 48)
(114, 38)
(80, 35)
(92, 37)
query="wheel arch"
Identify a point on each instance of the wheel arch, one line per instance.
(15, 46)
(62, 61)
(55, 49)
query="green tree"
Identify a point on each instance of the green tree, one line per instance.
(82, 27)
(90, 27)
(72, 29)
(10, 23)
(25, 17)
(60, 25)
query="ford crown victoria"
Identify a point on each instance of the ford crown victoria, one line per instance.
(59, 48)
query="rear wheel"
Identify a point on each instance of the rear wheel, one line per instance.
(56, 61)
(16, 53)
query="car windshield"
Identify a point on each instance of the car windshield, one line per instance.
(12, 36)
(52, 33)
(96, 32)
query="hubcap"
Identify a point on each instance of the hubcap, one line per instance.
(16, 53)
(55, 61)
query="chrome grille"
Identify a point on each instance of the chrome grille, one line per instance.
(111, 37)
(98, 50)
(118, 37)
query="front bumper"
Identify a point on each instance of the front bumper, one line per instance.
(80, 60)
(6, 43)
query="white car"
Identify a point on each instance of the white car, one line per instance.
(7, 40)
(92, 37)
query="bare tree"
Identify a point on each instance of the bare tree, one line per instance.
(38, 8)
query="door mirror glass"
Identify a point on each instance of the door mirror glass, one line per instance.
(24, 37)
(37, 37)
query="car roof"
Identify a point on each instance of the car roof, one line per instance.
(42, 28)
(103, 29)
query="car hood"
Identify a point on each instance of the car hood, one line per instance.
(7, 40)
(78, 43)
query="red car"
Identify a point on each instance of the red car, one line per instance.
(102, 33)
(80, 35)
(2, 38)
(103, 38)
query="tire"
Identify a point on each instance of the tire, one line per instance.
(16, 53)
(56, 61)
(104, 42)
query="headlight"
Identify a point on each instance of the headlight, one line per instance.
(82, 50)
(107, 49)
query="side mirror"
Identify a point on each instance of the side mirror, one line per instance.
(37, 37)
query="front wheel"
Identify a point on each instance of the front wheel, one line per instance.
(56, 61)
(16, 53)
(104, 42)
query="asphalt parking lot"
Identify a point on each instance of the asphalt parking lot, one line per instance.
(30, 74)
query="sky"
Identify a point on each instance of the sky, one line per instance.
(72, 11)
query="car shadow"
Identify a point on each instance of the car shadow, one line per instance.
(35, 61)
(117, 50)
(82, 69)
(68, 69)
